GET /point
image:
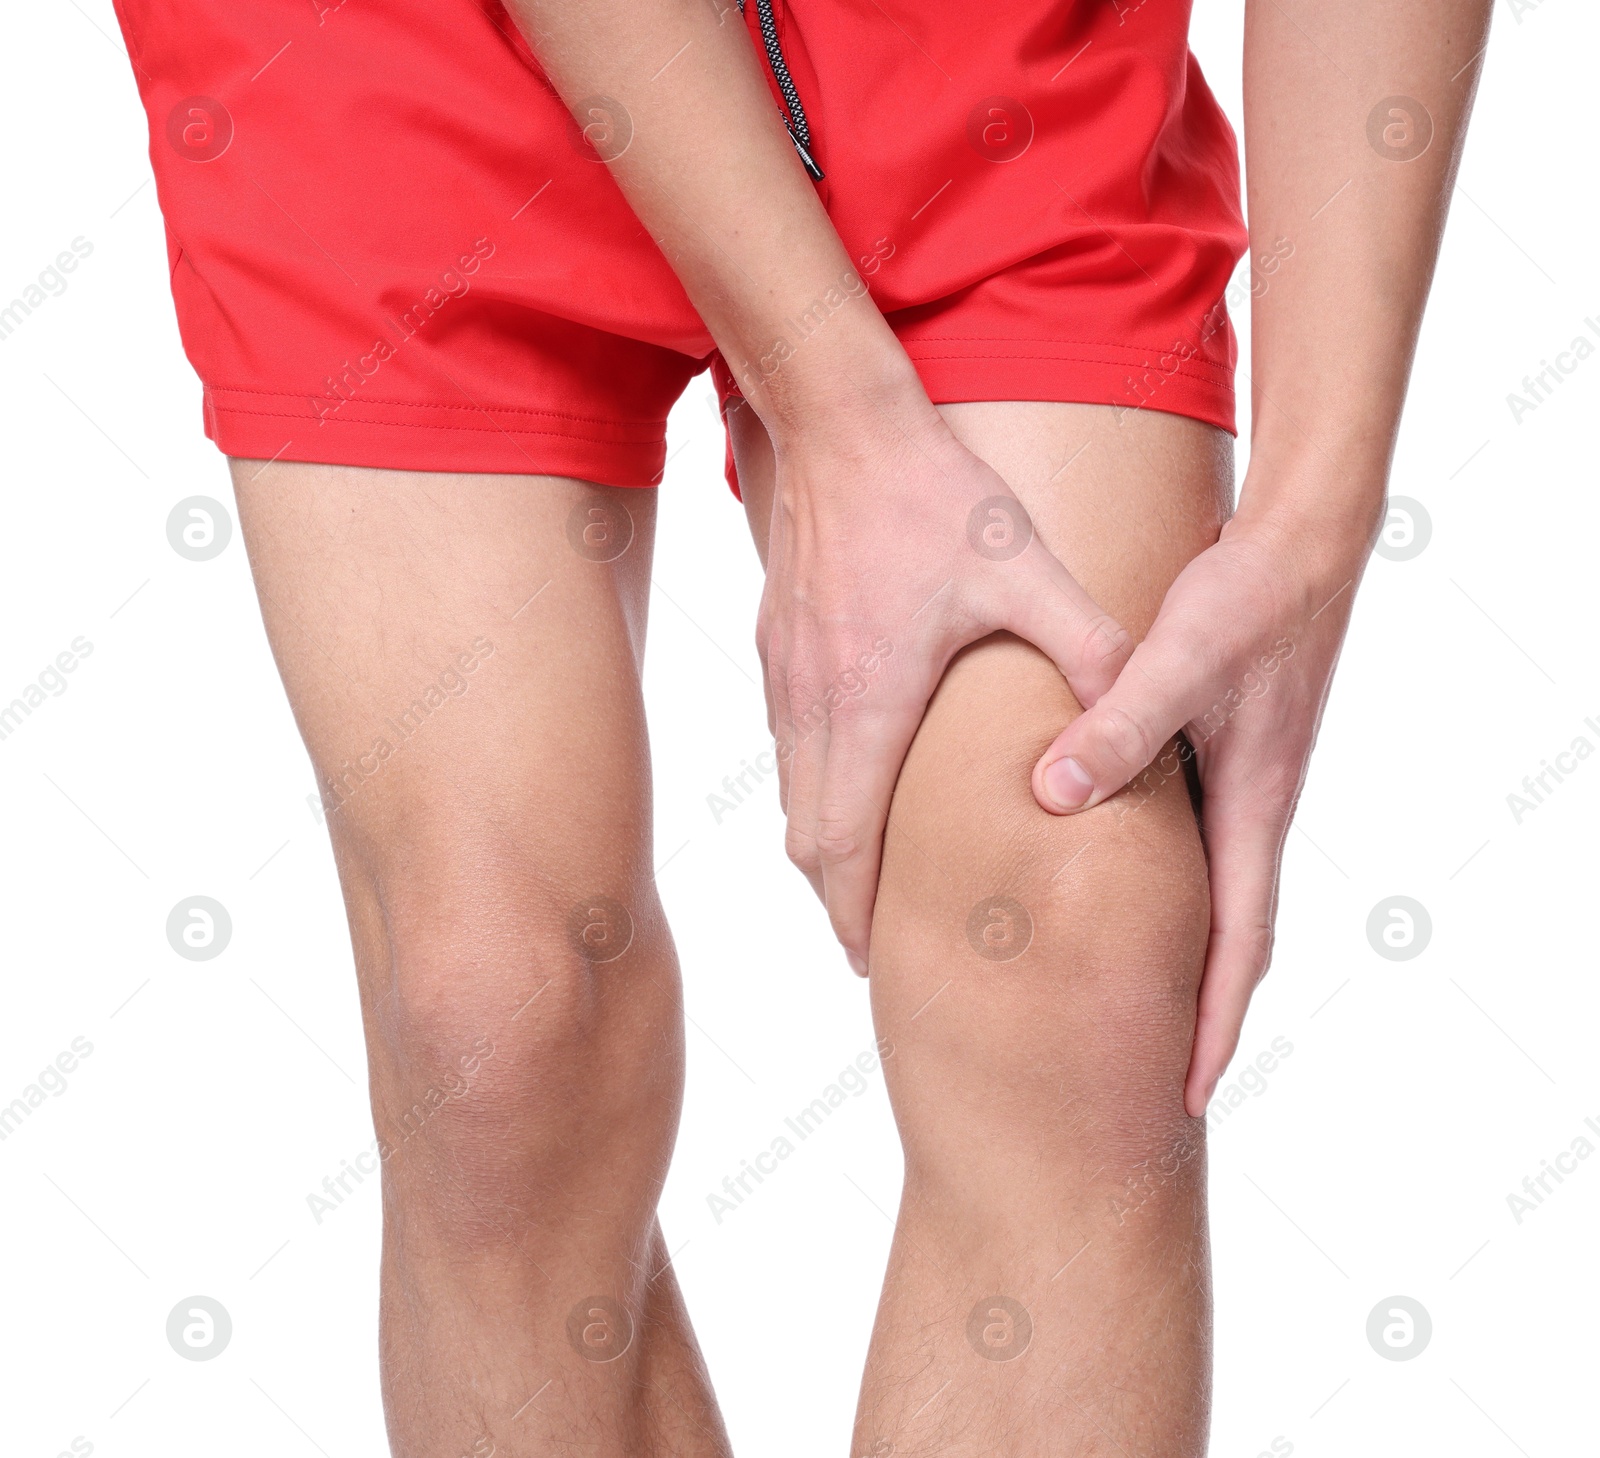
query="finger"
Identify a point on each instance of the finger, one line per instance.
(1044, 604)
(783, 752)
(1156, 694)
(866, 749)
(807, 752)
(780, 722)
(764, 645)
(1245, 830)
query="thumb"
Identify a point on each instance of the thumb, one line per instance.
(1045, 605)
(1104, 748)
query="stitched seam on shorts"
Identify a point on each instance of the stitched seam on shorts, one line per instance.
(431, 405)
(1193, 368)
(1158, 349)
(1020, 339)
(477, 429)
(1188, 367)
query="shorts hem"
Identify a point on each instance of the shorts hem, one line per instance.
(1193, 388)
(1054, 372)
(401, 436)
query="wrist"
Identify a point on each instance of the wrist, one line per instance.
(832, 374)
(1341, 443)
(1336, 501)
(1321, 530)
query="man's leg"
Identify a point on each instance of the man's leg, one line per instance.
(1048, 1286)
(462, 654)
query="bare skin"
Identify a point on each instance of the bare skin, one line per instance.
(1048, 1288)
(1039, 1098)
(1049, 1159)
(1333, 337)
(862, 458)
(472, 859)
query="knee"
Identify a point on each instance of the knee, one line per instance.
(1038, 976)
(519, 1034)
(1125, 909)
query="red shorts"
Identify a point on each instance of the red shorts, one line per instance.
(391, 246)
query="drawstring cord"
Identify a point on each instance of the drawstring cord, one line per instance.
(795, 123)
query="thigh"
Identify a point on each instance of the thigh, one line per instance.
(1123, 497)
(462, 656)
(449, 639)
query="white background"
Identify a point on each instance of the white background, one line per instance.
(1376, 1161)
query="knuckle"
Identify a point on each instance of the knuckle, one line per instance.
(1127, 738)
(846, 929)
(801, 848)
(1105, 639)
(769, 635)
(1254, 942)
(837, 839)
(807, 712)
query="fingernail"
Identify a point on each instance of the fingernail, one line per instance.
(858, 965)
(1067, 784)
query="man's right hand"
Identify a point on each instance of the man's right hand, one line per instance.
(892, 547)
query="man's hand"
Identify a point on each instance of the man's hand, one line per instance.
(887, 556)
(1241, 654)
(1239, 659)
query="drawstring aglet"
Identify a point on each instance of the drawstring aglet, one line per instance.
(815, 172)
